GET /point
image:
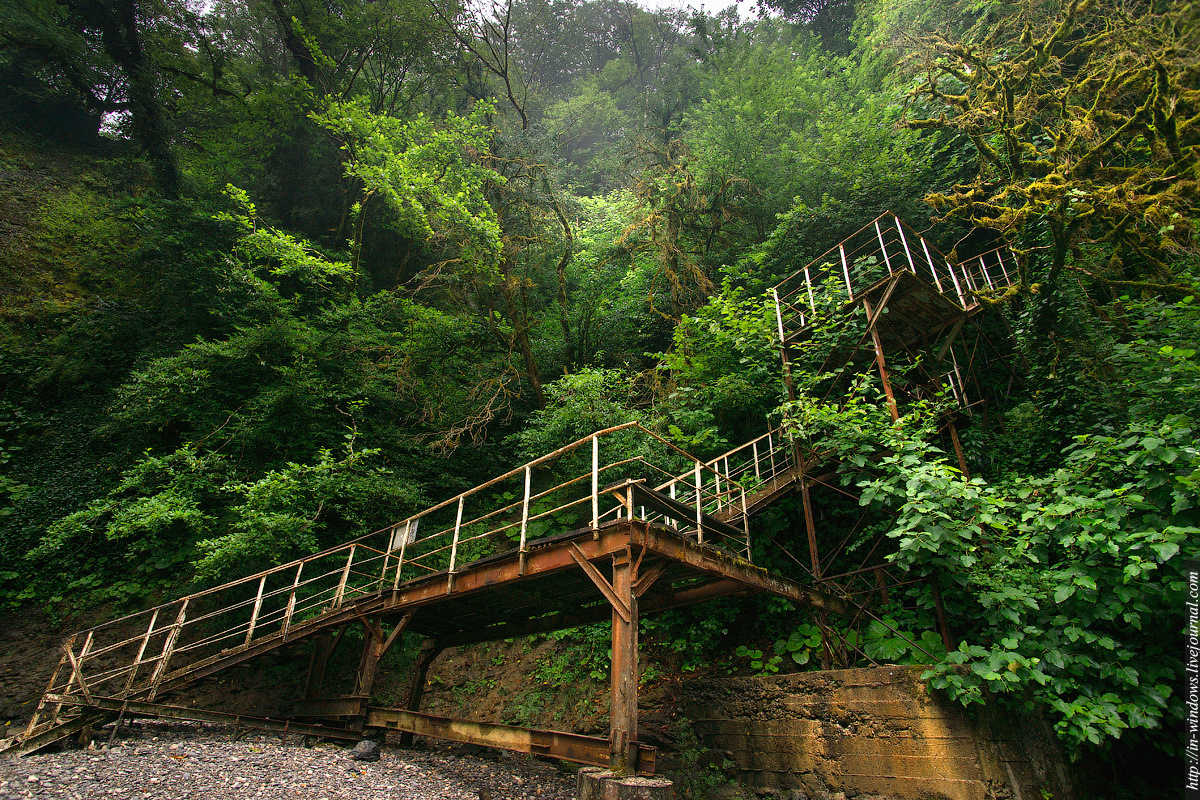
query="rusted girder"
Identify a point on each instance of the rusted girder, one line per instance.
(556, 744)
(331, 707)
(141, 708)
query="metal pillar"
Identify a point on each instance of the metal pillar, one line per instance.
(323, 647)
(430, 649)
(375, 647)
(624, 671)
(958, 449)
(882, 364)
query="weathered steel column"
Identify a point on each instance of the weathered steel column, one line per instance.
(368, 663)
(879, 359)
(323, 648)
(624, 671)
(416, 685)
(958, 448)
(375, 647)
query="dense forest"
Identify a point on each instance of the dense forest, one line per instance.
(280, 272)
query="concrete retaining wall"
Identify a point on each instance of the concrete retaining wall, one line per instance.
(871, 732)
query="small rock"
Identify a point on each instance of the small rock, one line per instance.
(366, 750)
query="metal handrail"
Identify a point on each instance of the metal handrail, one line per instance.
(888, 244)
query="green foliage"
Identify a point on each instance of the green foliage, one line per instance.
(197, 387)
(422, 170)
(1062, 571)
(578, 405)
(609, 283)
(801, 644)
(1085, 128)
(760, 662)
(808, 135)
(722, 372)
(284, 255)
(689, 639)
(584, 655)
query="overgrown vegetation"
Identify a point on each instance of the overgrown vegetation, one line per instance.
(277, 274)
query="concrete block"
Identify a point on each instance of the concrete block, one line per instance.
(875, 731)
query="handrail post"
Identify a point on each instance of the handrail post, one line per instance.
(1003, 269)
(771, 453)
(160, 669)
(77, 666)
(783, 350)
(971, 284)
(962, 301)
(699, 523)
(291, 604)
(257, 607)
(595, 487)
(986, 275)
(846, 271)
(883, 248)
(137, 662)
(386, 547)
(746, 525)
(932, 268)
(524, 522)
(454, 545)
(408, 532)
(341, 589)
(754, 452)
(37, 712)
(904, 240)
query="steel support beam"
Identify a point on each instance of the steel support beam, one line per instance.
(623, 678)
(332, 707)
(144, 709)
(881, 363)
(430, 649)
(555, 744)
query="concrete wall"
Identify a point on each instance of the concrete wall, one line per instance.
(871, 732)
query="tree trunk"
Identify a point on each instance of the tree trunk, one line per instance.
(123, 44)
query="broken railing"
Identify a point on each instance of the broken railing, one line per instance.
(583, 485)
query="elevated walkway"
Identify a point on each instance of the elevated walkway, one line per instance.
(612, 526)
(641, 549)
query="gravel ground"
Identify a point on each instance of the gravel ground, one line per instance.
(192, 761)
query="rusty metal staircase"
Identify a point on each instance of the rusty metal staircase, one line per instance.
(614, 522)
(698, 515)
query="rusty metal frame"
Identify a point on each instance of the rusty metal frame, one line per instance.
(555, 744)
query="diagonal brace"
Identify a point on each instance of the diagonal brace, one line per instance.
(606, 588)
(648, 578)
